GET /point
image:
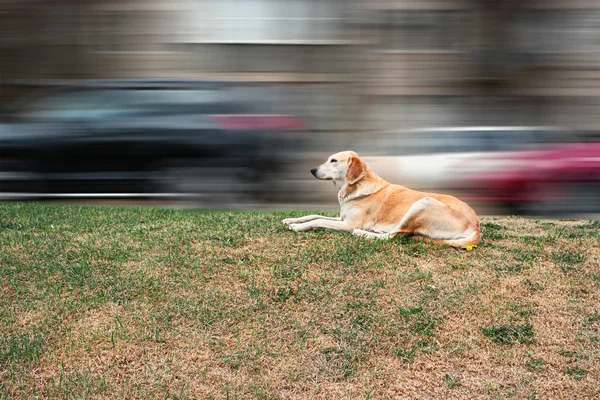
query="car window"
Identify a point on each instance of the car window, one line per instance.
(419, 143)
(180, 101)
(155, 100)
(550, 137)
(67, 106)
(464, 141)
(116, 103)
(470, 141)
(511, 140)
(384, 145)
(437, 143)
(450, 142)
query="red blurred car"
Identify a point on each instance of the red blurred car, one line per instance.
(560, 179)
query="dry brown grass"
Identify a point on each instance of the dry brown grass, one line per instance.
(171, 304)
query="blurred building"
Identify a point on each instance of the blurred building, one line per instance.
(347, 66)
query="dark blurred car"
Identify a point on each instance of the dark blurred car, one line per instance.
(142, 137)
(563, 179)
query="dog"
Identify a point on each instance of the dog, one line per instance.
(372, 208)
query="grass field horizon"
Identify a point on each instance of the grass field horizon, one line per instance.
(106, 302)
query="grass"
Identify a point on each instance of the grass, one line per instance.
(510, 334)
(451, 381)
(536, 365)
(143, 303)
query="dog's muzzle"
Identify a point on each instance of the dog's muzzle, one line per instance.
(314, 172)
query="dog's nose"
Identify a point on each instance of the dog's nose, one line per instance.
(314, 172)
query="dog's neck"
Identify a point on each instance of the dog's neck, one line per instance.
(369, 184)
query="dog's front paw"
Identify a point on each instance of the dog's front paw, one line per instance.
(294, 227)
(288, 221)
(358, 232)
(369, 235)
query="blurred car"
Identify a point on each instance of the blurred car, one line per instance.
(563, 179)
(439, 158)
(142, 137)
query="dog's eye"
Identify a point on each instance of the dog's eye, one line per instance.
(333, 160)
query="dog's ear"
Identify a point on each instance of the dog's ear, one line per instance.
(356, 170)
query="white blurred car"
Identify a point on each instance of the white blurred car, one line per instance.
(438, 158)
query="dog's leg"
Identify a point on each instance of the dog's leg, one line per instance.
(370, 235)
(308, 218)
(432, 220)
(336, 226)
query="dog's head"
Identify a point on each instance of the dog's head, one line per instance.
(345, 166)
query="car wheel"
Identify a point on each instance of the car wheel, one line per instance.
(581, 198)
(567, 199)
(205, 184)
(21, 176)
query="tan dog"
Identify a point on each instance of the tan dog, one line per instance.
(375, 209)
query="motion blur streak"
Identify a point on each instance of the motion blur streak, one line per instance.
(230, 103)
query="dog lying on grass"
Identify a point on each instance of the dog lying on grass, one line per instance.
(372, 208)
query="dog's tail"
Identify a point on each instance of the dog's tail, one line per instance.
(467, 242)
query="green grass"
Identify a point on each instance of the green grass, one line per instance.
(568, 259)
(536, 365)
(576, 373)
(141, 303)
(510, 334)
(451, 381)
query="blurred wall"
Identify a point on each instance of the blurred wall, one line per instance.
(347, 66)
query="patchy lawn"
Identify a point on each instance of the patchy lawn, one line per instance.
(141, 303)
